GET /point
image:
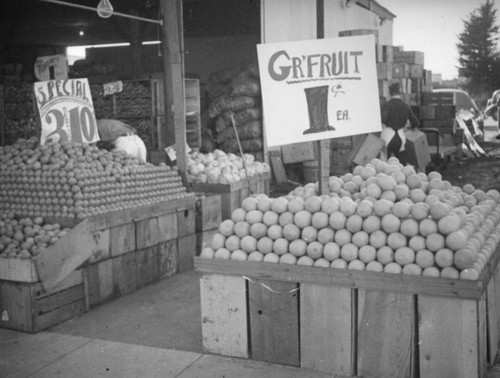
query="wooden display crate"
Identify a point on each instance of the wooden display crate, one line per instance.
(351, 323)
(26, 306)
(208, 219)
(101, 258)
(232, 194)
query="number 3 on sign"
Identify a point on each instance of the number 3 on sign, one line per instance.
(82, 125)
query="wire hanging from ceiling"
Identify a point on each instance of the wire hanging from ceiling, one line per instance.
(105, 12)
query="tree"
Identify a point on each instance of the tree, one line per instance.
(477, 49)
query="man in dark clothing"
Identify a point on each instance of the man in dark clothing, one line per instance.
(395, 114)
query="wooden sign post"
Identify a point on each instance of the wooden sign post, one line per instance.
(324, 166)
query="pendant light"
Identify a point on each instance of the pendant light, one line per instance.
(105, 9)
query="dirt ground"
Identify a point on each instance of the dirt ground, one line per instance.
(483, 173)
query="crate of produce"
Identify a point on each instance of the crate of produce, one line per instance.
(67, 207)
(349, 323)
(395, 274)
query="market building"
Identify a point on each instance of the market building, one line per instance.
(232, 153)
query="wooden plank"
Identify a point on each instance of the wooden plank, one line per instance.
(274, 321)
(18, 270)
(385, 334)
(186, 251)
(496, 280)
(399, 283)
(15, 306)
(482, 336)
(122, 239)
(117, 218)
(492, 316)
(124, 274)
(100, 281)
(74, 279)
(234, 203)
(147, 266)
(167, 227)
(224, 315)
(186, 222)
(448, 337)
(326, 329)
(167, 258)
(59, 260)
(59, 315)
(59, 299)
(324, 166)
(277, 166)
(208, 214)
(146, 233)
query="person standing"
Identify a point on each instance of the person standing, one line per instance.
(395, 115)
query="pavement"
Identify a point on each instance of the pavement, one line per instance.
(153, 332)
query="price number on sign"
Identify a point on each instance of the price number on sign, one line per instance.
(76, 124)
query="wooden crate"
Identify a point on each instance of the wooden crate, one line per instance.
(208, 214)
(232, 194)
(351, 323)
(26, 306)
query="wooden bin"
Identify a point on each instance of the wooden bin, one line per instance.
(232, 194)
(350, 323)
(132, 248)
(26, 306)
(208, 219)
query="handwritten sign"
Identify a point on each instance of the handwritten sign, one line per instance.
(319, 89)
(66, 111)
(53, 67)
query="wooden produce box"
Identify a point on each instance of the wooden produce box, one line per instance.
(232, 194)
(351, 323)
(141, 246)
(299, 152)
(101, 258)
(208, 219)
(26, 306)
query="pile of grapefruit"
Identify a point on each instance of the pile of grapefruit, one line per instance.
(381, 217)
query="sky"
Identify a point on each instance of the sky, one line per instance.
(432, 26)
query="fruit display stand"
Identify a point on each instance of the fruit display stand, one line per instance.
(232, 194)
(103, 257)
(345, 323)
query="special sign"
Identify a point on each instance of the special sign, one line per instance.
(319, 89)
(66, 111)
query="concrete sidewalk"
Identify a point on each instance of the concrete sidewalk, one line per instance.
(50, 354)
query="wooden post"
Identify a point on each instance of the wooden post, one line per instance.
(173, 68)
(324, 165)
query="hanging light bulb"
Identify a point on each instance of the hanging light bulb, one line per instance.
(105, 9)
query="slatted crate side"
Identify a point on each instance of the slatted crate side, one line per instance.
(326, 329)
(18, 270)
(186, 251)
(224, 315)
(167, 258)
(274, 321)
(27, 307)
(99, 277)
(167, 227)
(186, 221)
(147, 266)
(124, 271)
(122, 239)
(208, 214)
(448, 337)
(146, 233)
(492, 297)
(385, 335)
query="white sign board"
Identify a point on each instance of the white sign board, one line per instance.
(319, 89)
(53, 67)
(66, 111)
